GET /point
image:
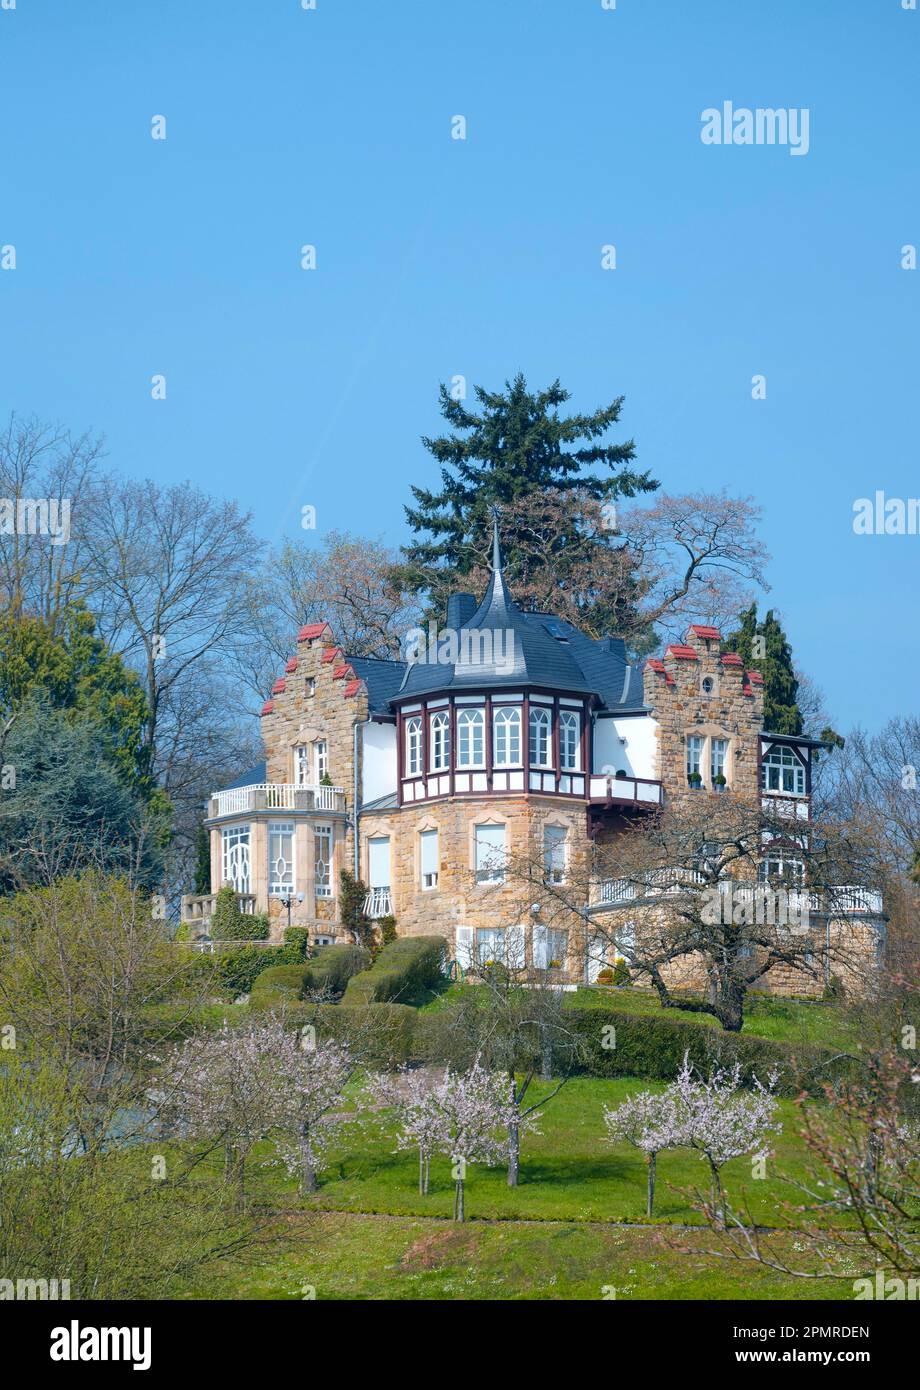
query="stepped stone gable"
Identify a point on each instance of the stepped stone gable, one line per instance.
(732, 708)
(292, 716)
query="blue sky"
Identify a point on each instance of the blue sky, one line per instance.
(438, 257)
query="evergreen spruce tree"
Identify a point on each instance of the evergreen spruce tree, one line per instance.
(517, 444)
(202, 859)
(781, 714)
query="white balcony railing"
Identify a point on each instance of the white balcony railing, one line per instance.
(832, 902)
(606, 787)
(378, 903)
(277, 796)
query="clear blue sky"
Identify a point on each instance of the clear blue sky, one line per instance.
(482, 257)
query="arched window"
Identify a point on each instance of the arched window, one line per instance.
(414, 746)
(570, 740)
(782, 772)
(439, 729)
(470, 738)
(540, 730)
(506, 738)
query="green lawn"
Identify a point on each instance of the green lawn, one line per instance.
(335, 1255)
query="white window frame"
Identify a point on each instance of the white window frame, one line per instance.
(540, 737)
(569, 747)
(506, 731)
(781, 765)
(302, 764)
(428, 878)
(236, 861)
(489, 861)
(414, 746)
(281, 849)
(470, 723)
(718, 761)
(439, 740)
(696, 749)
(320, 760)
(554, 838)
(379, 840)
(322, 865)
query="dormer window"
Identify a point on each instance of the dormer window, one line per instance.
(540, 738)
(782, 772)
(506, 738)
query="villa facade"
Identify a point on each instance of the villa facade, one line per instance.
(517, 736)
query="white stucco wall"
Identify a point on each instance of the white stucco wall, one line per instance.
(379, 745)
(635, 757)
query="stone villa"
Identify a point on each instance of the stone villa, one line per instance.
(422, 776)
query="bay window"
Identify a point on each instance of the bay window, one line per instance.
(782, 772)
(506, 738)
(414, 746)
(234, 843)
(540, 731)
(322, 860)
(281, 859)
(570, 740)
(439, 730)
(471, 738)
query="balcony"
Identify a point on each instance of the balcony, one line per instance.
(275, 796)
(834, 902)
(630, 791)
(378, 903)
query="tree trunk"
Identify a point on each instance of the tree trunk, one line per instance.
(651, 1184)
(514, 1154)
(458, 1200)
(729, 1003)
(718, 1210)
(307, 1169)
(422, 1173)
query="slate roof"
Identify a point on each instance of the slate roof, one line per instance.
(518, 648)
(382, 678)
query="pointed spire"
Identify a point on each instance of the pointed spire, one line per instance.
(496, 546)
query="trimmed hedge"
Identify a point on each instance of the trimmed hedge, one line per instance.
(238, 970)
(623, 1044)
(329, 970)
(404, 970)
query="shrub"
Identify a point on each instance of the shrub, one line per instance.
(621, 975)
(238, 970)
(229, 924)
(605, 976)
(622, 1044)
(328, 971)
(387, 927)
(405, 969)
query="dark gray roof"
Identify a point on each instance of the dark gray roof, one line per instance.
(247, 779)
(501, 646)
(382, 678)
